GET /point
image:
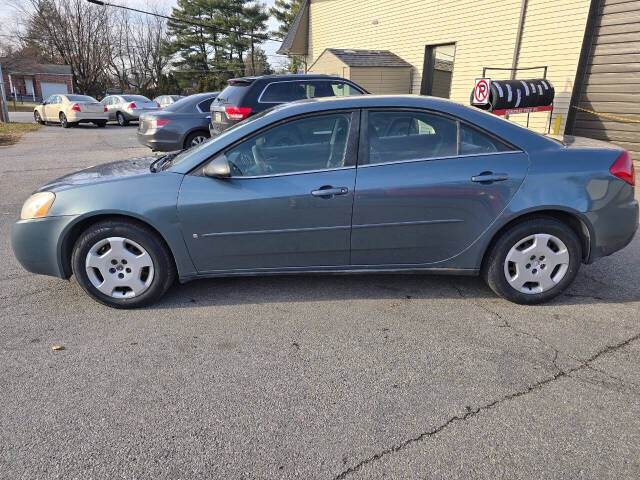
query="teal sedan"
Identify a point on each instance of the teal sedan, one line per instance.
(339, 185)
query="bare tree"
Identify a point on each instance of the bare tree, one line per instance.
(77, 32)
(136, 47)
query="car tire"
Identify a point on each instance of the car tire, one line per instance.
(123, 122)
(540, 251)
(64, 123)
(195, 138)
(37, 118)
(112, 280)
(101, 124)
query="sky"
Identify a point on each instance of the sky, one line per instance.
(270, 47)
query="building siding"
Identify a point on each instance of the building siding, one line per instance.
(382, 80)
(484, 34)
(611, 84)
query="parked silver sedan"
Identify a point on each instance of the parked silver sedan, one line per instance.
(126, 108)
(166, 100)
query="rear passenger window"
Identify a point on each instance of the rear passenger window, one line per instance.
(397, 135)
(283, 92)
(473, 141)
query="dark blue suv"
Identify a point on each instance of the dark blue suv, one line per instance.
(247, 96)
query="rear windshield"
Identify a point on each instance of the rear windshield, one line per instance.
(179, 105)
(135, 98)
(281, 92)
(233, 94)
(81, 98)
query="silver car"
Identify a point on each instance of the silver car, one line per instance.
(126, 108)
(166, 100)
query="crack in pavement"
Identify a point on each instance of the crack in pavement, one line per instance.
(488, 406)
(551, 346)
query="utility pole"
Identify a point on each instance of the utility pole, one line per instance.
(4, 111)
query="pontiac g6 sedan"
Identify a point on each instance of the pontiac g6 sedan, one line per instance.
(339, 185)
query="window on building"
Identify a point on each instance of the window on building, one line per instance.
(437, 71)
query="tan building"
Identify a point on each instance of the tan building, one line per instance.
(591, 50)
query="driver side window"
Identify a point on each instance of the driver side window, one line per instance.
(305, 144)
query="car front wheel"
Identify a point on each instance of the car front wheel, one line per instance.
(533, 261)
(122, 264)
(37, 118)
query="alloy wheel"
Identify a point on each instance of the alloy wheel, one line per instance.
(119, 267)
(197, 140)
(536, 263)
(63, 120)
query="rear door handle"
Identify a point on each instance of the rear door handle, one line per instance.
(487, 177)
(329, 191)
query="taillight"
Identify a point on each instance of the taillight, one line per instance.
(237, 113)
(131, 106)
(106, 109)
(623, 168)
(75, 107)
(158, 123)
(158, 104)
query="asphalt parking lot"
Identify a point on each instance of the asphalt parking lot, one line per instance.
(328, 377)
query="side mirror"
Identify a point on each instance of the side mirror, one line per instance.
(218, 168)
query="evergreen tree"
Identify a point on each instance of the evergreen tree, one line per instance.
(216, 50)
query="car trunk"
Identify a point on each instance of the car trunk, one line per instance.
(91, 107)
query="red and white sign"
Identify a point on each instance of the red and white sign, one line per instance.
(481, 91)
(546, 108)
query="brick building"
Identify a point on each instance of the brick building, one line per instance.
(29, 80)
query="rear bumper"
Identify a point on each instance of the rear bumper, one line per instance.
(216, 128)
(74, 116)
(159, 140)
(37, 244)
(613, 231)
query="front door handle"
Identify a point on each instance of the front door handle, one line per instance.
(488, 177)
(328, 191)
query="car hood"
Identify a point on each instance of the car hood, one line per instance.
(103, 173)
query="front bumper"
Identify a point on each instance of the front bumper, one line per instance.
(159, 140)
(37, 244)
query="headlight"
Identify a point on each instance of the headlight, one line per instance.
(37, 205)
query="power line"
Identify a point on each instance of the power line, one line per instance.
(188, 22)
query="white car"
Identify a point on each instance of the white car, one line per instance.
(70, 110)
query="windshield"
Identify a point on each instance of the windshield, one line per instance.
(185, 154)
(81, 98)
(135, 98)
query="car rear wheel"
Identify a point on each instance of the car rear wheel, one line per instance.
(533, 261)
(122, 264)
(63, 120)
(123, 122)
(37, 118)
(195, 138)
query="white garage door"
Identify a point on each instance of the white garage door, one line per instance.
(51, 88)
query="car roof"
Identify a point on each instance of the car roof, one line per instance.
(288, 76)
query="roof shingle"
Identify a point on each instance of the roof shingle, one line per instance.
(368, 58)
